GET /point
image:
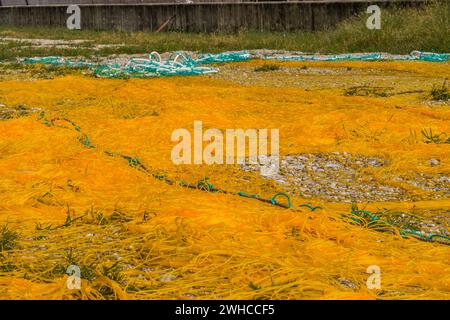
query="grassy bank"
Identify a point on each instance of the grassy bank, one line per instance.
(403, 30)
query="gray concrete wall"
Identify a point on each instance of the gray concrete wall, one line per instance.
(206, 17)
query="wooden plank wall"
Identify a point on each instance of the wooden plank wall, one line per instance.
(68, 2)
(206, 17)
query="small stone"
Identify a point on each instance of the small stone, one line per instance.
(167, 277)
(434, 162)
(347, 283)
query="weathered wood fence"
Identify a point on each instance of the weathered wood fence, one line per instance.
(199, 17)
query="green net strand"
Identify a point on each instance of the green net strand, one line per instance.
(185, 64)
(413, 56)
(431, 56)
(233, 56)
(154, 66)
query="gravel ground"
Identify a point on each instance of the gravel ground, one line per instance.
(342, 177)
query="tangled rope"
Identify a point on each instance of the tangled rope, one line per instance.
(179, 63)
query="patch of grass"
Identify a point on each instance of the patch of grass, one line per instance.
(440, 93)
(430, 137)
(253, 286)
(7, 267)
(402, 220)
(86, 271)
(267, 67)
(40, 71)
(69, 221)
(367, 91)
(113, 272)
(13, 50)
(385, 220)
(402, 31)
(52, 71)
(8, 238)
(99, 218)
(12, 66)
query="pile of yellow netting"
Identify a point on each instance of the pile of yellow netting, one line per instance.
(136, 237)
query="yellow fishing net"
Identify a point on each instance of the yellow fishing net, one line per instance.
(136, 237)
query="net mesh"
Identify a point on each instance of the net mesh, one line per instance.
(134, 236)
(183, 63)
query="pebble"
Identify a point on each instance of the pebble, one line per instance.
(435, 162)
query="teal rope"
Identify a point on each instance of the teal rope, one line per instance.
(310, 207)
(273, 199)
(205, 185)
(251, 196)
(431, 236)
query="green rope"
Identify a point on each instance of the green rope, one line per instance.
(203, 184)
(431, 236)
(84, 139)
(310, 207)
(273, 199)
(251, 196)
